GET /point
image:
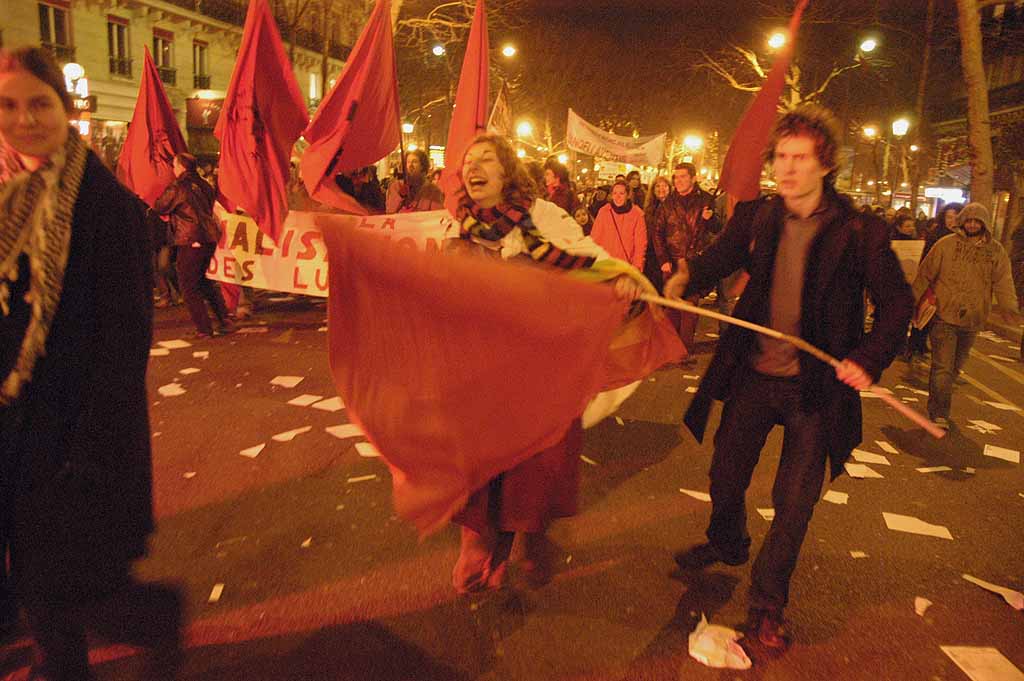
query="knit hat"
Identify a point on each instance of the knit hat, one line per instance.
(974, 211)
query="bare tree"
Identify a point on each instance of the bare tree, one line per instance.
(1009, 156)
(979, 127)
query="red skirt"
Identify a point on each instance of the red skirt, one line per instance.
(528, 497)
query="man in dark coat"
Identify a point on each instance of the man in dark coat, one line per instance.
(683, 227)
(810, 256)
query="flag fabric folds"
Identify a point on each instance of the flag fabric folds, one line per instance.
(501, 115)
(153, 139)
(459, 368)
(470, 115)
(357, 124)
(741, 172)
(262, 116)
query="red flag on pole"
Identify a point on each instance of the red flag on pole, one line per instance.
(741, 172)
(357, 124)
(145, 164)
(469, 118)
(263, 115)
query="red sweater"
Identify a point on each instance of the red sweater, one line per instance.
(623, 235)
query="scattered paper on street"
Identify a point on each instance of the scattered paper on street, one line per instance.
(906, 523)
(983, 664)
(331, 404)
(1002, 406)
(367, 450)
(716, 646)
(305, 400)
(868, 457)
(910, 399)
(618, 420)
(767, 513)
(691, 377)
(159, 352)
(886, 447)
(970, 469)
(1003, 359)
(253, 329)
(1014, 598)
(986, 425)
(253, 452)
(188, 475)
(174, 344)
(858, 554)
(201, 354)
(869, 394)
(699, 496)
(287, 381)
(306, 544)
(1011, 455)
(215, 593)
(587, 460)
(933, 469)
(362, 478)
(171, 390)
(691, 389)
(918, 391)
(290, 435)
(921, 605)
(345, 430)
(189, 371)
(836, 497)
(859, 470)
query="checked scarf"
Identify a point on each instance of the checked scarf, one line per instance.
(36, 209)
(491, 225)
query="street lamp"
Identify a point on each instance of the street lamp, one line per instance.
(563, 159)
(521, 153)
(509, 51)
(693, 142)
(900, 126)
(868, 45)
(870, 131)
(78, 86)
(524, 129)
(777, 40)
(408, 128)
(439, 50)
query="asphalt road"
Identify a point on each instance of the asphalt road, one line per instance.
(320, 580)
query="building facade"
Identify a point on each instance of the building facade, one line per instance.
(194, 44)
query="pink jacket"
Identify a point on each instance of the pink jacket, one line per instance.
(624, 236)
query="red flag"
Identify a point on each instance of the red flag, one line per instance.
(741, 172)
(357, 124)
(469, 118)
(154, 138)
(263, 115)
(452, 387)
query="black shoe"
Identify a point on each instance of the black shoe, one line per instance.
(769, 628)
(226, 327)
(704, 555)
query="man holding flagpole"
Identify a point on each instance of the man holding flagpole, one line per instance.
(810, 256)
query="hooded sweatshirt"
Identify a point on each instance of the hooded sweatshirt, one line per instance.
(965, 272)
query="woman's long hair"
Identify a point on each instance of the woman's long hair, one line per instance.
(519, 189)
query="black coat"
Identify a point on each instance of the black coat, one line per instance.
(78, 436)
(851, 254)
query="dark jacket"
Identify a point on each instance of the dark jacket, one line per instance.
(189, 203)
(78, 485)
(849, 255)
(680, 230)
(562, 196)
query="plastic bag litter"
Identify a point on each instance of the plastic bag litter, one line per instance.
(715, 646)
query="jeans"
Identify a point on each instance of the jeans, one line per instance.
(951, 345)
(759, 404)
(196, 289)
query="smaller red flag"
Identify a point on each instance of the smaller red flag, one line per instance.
(357, 123)
(262, 116)
(741, 172)
(153, 139)
(469, 118)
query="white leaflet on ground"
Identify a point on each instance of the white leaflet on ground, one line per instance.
(201, 354)
(215, 593)
(1002, 406)
(933, 469)
(691, 389)
(910, 399)
(305, 400)
(253, 329)
(287, 381)
(886, 447)
(1003, 359)
(171, 390)
(912, 525)
(836, 497)
(618, 420)
(970, 469)
(253, 452)
(188, 475)
(716, 646)
(345, 430)
(367, 450)
(189, 371)
(361, 478)
(921, 605)
(711, 335)
(174, 344)
(159, 352)
(322, 329)
(767, 513)
(699, 496)
(691, 377)
(858, 554)
(306, 544)
(1011, 455)
(983, 664)
(985, 425)
(869, 394)
(1014, 598)
(859, 470)
(290, 435)
(587, 460)
(868, 457)
(919, 392)
(331, 404)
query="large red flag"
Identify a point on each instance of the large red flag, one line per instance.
(469, 117)
(145, 164)
(741, 172)
(358, 123)
(458, 368)
(263, 115)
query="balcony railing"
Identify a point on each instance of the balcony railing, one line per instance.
(121, 66)
(168, 75)
(201, 82)
(63, 53)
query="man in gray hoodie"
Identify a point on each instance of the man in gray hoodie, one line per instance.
(964, 270)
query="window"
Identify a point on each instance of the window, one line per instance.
(200, 66)
(53, 31)
(163, 55)
(118, 48)
(314, 87)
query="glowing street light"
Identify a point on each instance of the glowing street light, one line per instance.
(777, 40)
(900, 126)
(914, 147)
(521, 153)
(524, 129)
(868, 45)
(693, 142)
(408, 128)
(413, 146)
(509, 51)
(563, 159)
(870, 131)
(439, 50)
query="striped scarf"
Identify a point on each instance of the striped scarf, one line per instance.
(37, 208)
(490, 225)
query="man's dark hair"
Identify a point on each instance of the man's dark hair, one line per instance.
(817, 123)
(41, 64)
(187, 161)
(560, 171)
(688, 167)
